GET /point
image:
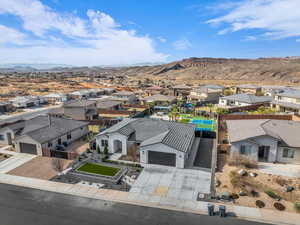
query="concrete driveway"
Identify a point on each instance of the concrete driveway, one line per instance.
(288, 170)
(162, 183)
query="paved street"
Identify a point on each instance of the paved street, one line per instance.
(29, 206)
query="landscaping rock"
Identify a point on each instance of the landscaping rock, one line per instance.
(242, 172)
(242, 193)
(289, 188)
(218, 183)
(253, 174)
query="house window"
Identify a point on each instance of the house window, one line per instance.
(104, 143)
(288, 153)
(69, 136)
(2, 138)
(49, 145)
(59, 141)
(245, 149)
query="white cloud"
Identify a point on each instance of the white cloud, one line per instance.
(182, 44)
(98, 40)
(9, 35)
(250, 38)
(162, 39)
(277, 18)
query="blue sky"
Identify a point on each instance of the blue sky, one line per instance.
(99, 32)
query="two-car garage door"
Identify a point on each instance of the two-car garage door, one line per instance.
(28, 148)
(161, 158)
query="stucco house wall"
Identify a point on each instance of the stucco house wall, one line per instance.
(259, 141)
(295, 160)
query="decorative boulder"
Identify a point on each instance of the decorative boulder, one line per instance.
(242, 193)
(289, 188)
(253, 174)
(242, 172)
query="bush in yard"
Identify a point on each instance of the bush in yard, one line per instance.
(105, 151)
(242, 161)
(260, 204)
(272, 195)
(98, 149)
(280, 181)
(279, 206)
(234, 196)
(297, 207)
(235, 179)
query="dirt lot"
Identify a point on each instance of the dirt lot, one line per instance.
(39, 167)
(261, 183)
(78, 147)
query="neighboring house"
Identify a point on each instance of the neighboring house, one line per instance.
(248, 89)
(82, 94)
(85, 110)
(159, 100)
(243, 100)
(160, 142)
(206, 93)
(25, 101)
(265, 140)
(181, 90)
(6, 107)
(56, 98)
(42, 133)
(126, 96)
(271, 90)
(287, 101)
(109, 91)
(154, 90)
(108, 104)
(96, 92)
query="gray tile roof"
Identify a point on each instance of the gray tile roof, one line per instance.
(148, 131)
(248, 98)
(79, 103)
(159, 97)
(286, 104)
(248, 86)
(292, 93)
(123, 93)
(39, 128)
(286, 131)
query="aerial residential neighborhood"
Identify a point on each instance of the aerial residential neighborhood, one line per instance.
(149, 112)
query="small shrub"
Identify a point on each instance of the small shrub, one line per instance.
(260, 204)
(279, 206)
(234, 196)
(297, 207)
(235, 179)
(272, 194)
(242, 161)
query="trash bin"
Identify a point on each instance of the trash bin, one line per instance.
(222, 211)
(210, 209)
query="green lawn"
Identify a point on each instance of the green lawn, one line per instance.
(99, 169)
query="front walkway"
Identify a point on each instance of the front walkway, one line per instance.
(288, 170)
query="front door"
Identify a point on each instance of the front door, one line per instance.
(263, 153)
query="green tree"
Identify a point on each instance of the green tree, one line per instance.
(105, 151)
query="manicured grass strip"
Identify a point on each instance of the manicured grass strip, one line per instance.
(99, 169)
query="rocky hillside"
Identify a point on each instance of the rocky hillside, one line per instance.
(263, 69)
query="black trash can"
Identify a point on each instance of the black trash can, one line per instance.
(210, 209)
(222, 211)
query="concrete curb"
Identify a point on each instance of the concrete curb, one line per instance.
(122, 197)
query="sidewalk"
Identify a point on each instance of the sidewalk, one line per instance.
(16, 159)
(254, 214)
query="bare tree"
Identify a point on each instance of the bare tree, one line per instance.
(132, 152)
(57, 164)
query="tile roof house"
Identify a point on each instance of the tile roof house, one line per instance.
(243, 100)
(160, 142)
(206, 93)
(265, 140)
(127, 96)
(159, 99)
(42, 132)
(287, 101)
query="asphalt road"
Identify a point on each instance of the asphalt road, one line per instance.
(28, 207)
